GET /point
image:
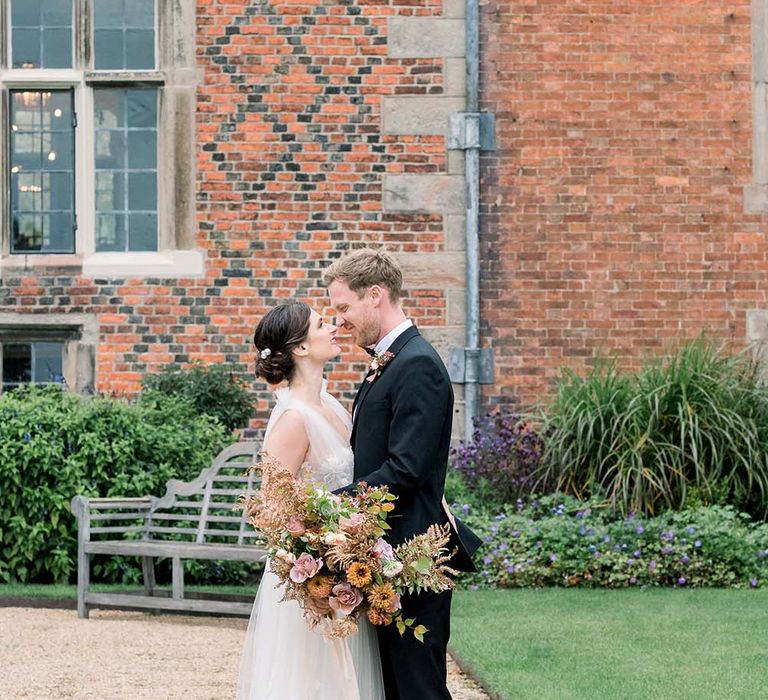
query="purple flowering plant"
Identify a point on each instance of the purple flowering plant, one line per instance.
(558, 540)
(501, 462)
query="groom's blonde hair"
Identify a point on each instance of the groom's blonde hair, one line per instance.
(364, 268)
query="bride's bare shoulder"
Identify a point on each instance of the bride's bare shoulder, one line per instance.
(288, 440)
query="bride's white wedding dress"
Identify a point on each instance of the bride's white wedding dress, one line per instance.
(283, 659)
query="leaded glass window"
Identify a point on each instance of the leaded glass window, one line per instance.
(35, 362)
(42, 155)
(126, 169)
(41, 33)
(124, 34)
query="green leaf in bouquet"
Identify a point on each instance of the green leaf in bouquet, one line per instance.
(400, 626)
(409, 621)
(390, 497)
(423, 565)
(419, 631)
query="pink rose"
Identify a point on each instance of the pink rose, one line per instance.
(352, 523)
(395, 605)
(306, 566)
(345, 598)
(295, 526)
(316, 609)
(382, 549)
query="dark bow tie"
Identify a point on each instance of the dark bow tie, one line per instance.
(371, 350)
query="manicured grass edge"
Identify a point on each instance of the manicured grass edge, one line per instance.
(468, 670)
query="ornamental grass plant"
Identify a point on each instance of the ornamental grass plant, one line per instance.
(692, 428)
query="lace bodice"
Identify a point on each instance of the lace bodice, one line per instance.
(330, 461)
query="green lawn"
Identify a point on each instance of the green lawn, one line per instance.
(635, 644)
(571, 644)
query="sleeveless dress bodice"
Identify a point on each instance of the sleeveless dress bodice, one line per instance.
(283, 659)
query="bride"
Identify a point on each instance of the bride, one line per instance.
(308, 433)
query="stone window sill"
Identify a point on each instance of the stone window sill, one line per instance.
(167, 263)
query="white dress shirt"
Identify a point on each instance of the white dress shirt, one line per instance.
(386, 342)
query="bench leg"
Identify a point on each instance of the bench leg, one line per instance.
(148, 573)
(83, 580)
(177, 578)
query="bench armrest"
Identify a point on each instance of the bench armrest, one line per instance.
(85, 508)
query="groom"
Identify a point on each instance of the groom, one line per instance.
(401, 436)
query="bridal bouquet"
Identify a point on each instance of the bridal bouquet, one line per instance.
(330, 554)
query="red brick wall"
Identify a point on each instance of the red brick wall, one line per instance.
(290, 165)
(612, 214)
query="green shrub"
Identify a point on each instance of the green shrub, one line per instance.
(214, 390)
(560, 541)
(55, 444)
(698, 419)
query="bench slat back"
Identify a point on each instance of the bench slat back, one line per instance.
(203, 510)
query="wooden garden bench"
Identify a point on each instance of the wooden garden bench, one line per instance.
(193, 520)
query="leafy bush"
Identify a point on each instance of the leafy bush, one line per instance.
(55, 444)
(699, 419)
(560, 541)
(214, 390)
(500, 463)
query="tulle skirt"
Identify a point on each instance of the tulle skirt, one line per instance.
(283, 659)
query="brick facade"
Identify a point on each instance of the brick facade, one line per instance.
(613, 216)
(291, 162)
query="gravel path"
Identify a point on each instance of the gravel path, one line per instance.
(51, 654)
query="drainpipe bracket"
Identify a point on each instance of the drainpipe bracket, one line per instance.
(471, 365)
(468, 130)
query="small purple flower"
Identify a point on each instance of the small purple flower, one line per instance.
(652, 565)
(668, 535)
(487, 560)
(474, 587)
(500, 516)
(607, 538)
(516, 533)
(27, 437)
(465, 508)
(681, 581)
(669, 550)
(633, 579)
(754, 582)
(583, 530)
(639, 529)
(519, 504)
(685, 559)
(495, 529)
(553, 557)
(630, 561)
(761, 554)
(691, 529)
(592, 548)
(697, 543)
(511, 569)
(638, 553)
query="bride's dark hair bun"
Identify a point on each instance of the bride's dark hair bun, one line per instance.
(278, 333)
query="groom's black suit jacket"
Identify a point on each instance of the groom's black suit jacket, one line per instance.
(401, 438)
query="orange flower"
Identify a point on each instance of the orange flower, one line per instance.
(377, 617)
(359, 574)
(320, 586)
(382, 596)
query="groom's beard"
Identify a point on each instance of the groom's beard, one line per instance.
(367, 334)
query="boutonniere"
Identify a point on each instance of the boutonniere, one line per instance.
(379, 362)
